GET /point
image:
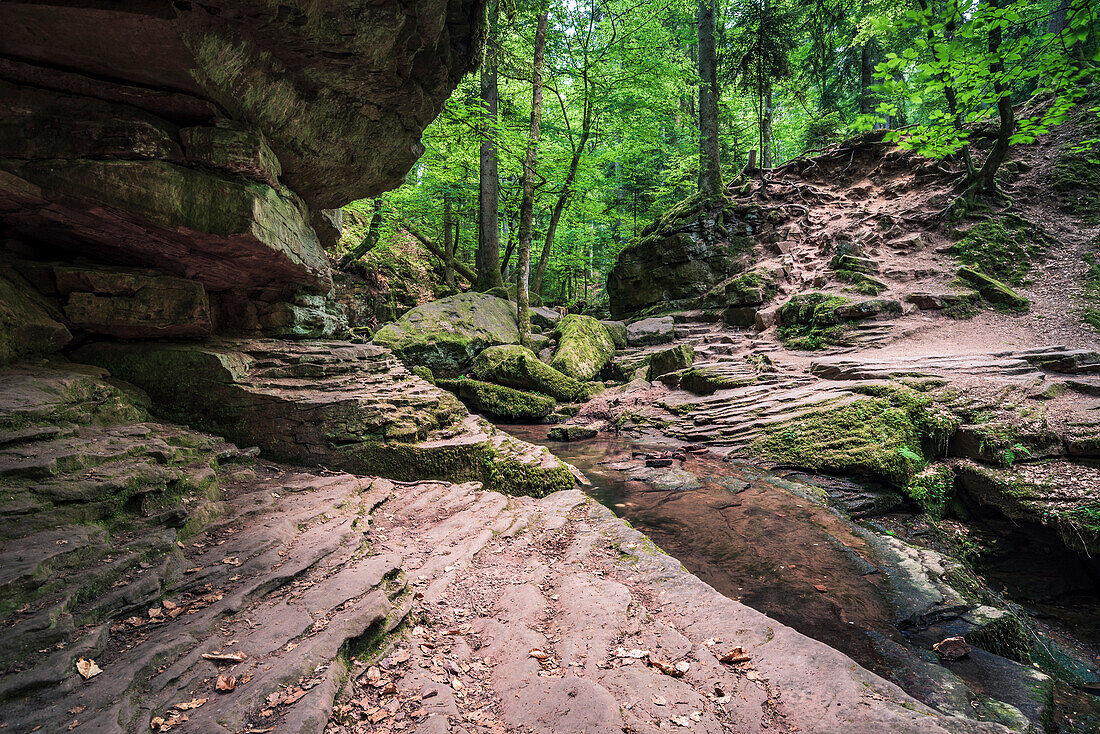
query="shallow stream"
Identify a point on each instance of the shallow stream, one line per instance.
(766, 538)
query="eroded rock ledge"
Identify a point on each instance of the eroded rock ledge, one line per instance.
(295, 580)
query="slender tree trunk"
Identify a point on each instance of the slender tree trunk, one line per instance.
(488, 239)
(448, 244)
(527, 204)
(866, 79)
(369, 241)
(985, 180)
(436, 250)
(949, 92)
(710, 168)
(559, 206)
(766, 130)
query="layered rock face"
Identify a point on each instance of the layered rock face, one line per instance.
(205, 142)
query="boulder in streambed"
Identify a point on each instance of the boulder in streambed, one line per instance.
(572, 433)
(447, 334)
(584, 347)
(517, 366)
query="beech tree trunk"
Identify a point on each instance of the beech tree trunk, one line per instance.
(448, 244)
(488, 237)
(985, 180)
(527, 204)
(766, 130)
(866, 79)
(710, 168)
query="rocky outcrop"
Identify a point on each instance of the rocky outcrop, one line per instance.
(249, 595)
(336, 404)
(29, 324)
(206, 142)
(447, 334)
(681, 257)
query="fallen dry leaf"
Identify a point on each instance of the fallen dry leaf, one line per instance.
(538, 654)
(225, 657)
(821, 587)
(231, 561)
(87, 668)
(226, 683)
(194, 703)
(666, 667)
(736, 655)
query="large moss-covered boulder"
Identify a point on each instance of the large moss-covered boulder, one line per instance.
(26, 325)
(517, 366)
(617, 329)
(584, 347)
(504, 402)
(447, 334)
(696, 245)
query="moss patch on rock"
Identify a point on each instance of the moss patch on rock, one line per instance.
(1091, 294)
(517, 366)
(504, 402)
(1003, 247)
(584, 347)
(1075, 177)
(670, 360)
(932, 488)
(890, 433)
(993, 290)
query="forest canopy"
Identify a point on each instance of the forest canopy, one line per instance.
(616, 137)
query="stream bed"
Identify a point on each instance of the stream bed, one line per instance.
(770, 540)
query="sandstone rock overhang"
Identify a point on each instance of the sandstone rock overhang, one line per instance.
(208, 139)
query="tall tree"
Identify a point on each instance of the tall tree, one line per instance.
(488, 238)
(710, 167)
(527, 205)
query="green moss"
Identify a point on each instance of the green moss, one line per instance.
(707, 380)
(424, 373)
(515, 366)
(892, 433)
(1091, 291)
(1075, 176)
(809, 321)
(932, 488)
(861, 282)
(1003, 247)
(505, 402)
(993, 290)
(584, 347)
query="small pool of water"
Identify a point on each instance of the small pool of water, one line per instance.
(746, 532)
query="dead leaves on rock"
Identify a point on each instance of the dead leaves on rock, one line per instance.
(735, 655)
(87, 668)
(225, 683)
(175, 717)
(676, 670)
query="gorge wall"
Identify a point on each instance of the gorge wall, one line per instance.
(168, 169)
